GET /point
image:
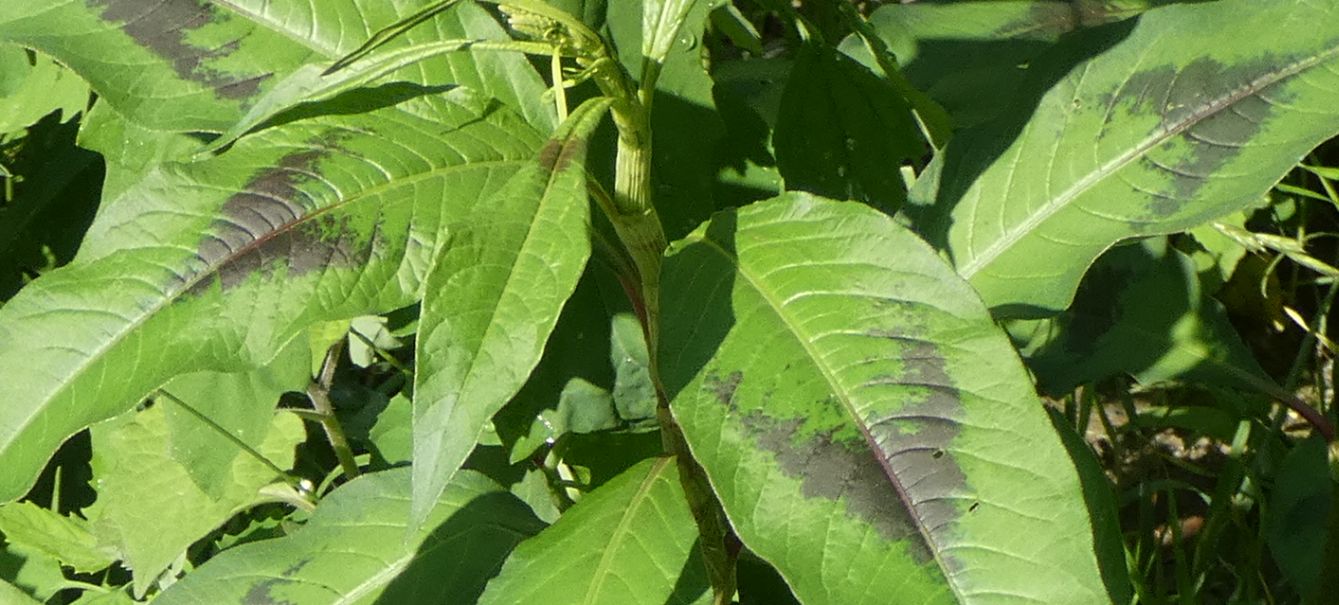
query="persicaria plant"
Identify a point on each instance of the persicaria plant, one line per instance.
(667, 301)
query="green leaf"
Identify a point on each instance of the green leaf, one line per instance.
(129, 150)
(493, 297)
(149, 507)
(354, 549)
(1141, 311)
(633, 541)
(240, 403)
(393, 434)
(31, 570)
(216, 265)
(867, 427)
(842, 131)
(1192, 115)
(197, 65)
(65, 538)
(32, 89)
(11, 595)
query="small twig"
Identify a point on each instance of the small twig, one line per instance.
(319, 393)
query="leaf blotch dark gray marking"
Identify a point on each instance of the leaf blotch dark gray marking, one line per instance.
(724, 388)
(897, 474)
(260, 594)
(161, 26)
(265, 227)
(557, 155)
(1213, 108)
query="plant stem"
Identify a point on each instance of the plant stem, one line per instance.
(319, 393)
(633, 214)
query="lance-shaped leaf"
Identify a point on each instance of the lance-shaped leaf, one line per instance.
(867, 427)
(492, 299)
(354, 549)
(1190, 113)
(629, 542)
(216, 265)
(198, 65)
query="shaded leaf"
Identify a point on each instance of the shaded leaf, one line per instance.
(393, 433)
(354, 549)
(1300, 515)
(867, 427)
(842, 131)
(973, 56)
(1192, 115)
(148, 506)
(1141, 311)
(630, 542)
(219, 263)
(48, 204)
(493, 297)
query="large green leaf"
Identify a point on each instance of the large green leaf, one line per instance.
(354, 550)
(198, 65)
(867, 427)
(493, 297)
(149, 508)
(631, 542)
(216, 265)
(1191, 113)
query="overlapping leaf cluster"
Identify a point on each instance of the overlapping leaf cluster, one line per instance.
(438, 233)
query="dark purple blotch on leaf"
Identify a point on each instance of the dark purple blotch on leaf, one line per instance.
(265, 226)
(895, 472)
(161, 26)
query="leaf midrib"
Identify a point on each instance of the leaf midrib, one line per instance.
(1014, 235)
(93, 358)
(845, 398)
(623, 528)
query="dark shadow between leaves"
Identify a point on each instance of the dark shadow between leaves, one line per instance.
(459, 556)
(695, 325)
